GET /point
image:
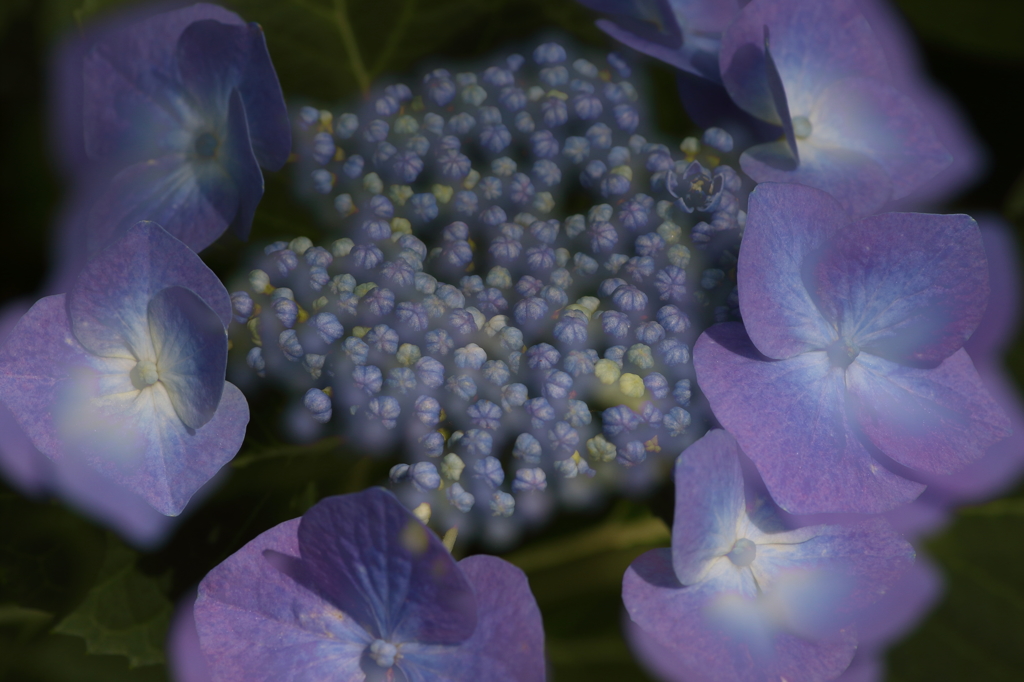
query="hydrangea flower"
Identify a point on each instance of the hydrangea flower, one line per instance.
(474, 322)
(851, 351)
(183, 107)
(358, 588)
(817, 70)
(737, 598)
(125, 373)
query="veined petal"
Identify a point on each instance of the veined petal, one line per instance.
(873, 118)
(813, 44)
(789, 417)
(936, 420)
(857, 182)
(370, 557)
(191, 353)
(910, 287)
(685, 620)
(709, 504)
(108, 306)
(695, 53)
(786, 226)
(256, 623)
(507, 643)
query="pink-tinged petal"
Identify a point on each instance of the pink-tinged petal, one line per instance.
(873, 118)
(910, 287)
(709, 504)
(191, 353)
(813, 45)
(508, 642)
(1002, 314)
(257, 624)
(789, 417)
(866, 667)
(786, 226)
(127, 76)
(108, 306)
(677, 617)
(858, 183)
(369, 556)
(935, 420)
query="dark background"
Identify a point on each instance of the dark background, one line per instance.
(68, 587)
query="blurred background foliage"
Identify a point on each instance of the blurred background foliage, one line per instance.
(78, 605)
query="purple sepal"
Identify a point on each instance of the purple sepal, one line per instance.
(786, 226)
(935, 420)
(127, 72)
(860, 325)
(676, 617)
(508, 642)
(790, 417)
(214, 58)
(185, 658)
(109, 304)
(768, 605)
(188, 339)
(257, 623)
(375, 561)
(825, 81)
(265, 613)
(909, 287)
(709, 504)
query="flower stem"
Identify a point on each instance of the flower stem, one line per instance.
(348, 39)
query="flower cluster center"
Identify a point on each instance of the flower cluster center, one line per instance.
(383, 653)
(206, 145)
(842, 353)
(144, 374)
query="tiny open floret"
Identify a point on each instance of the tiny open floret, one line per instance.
(851, 343)
(183, 109)
(738, 598)
(125, 373)
(359, 589)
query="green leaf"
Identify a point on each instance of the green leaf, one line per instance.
(976, 632)
(125, 613)
(990, 28)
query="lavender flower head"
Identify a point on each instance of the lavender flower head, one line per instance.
(851, 351)
(508, 346)
(125, 373)
(739, 598)
(359, 589)
(179, 112)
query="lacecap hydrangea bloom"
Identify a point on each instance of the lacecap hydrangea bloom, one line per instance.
(175, 114)
(125, 373)
(359, 589)
(738, 597)
(850, 355)
(507, 346)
